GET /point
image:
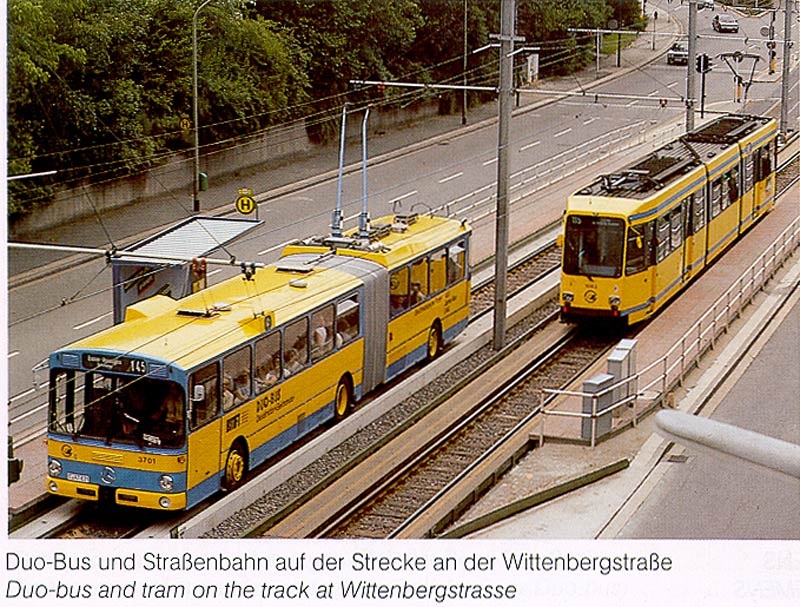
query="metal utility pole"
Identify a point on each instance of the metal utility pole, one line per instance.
(507, 14)
(690, 82)
(196, 179)
(464, 92)
(787, 49)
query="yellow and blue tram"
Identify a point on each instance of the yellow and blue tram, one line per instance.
(634, 238)
(185, 396)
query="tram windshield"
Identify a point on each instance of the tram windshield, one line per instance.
(117, 409)
(593, 246)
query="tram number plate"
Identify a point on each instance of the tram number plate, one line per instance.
(81, 478)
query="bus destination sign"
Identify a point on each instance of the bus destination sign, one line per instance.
(118, 364)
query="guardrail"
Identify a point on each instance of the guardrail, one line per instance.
(649, 386)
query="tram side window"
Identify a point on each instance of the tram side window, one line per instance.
(295, 347)
(716, 197)
(398, 291)
(662, 237)
(419, 281)
(698, 206)
(456, 262)
(749, 172)
(636, 259)
(236, 378)
(764, 161)
(322, 338)
(347, 321)
(268, 361)
(438, 271)
(676, 228)
(204, 392)
(732, 186)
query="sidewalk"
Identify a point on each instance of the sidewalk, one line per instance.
(130, 224)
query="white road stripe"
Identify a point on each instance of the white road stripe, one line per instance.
(529, 146)
(454, 176)
(91, 322)
(564, 132)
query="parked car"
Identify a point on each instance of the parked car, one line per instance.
(725, 23)
(678, 54)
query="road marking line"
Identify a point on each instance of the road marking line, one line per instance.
(14, 353)
(91, 322)
(399, 198)
(277, 246)
(529, 146)
(454, 176)
(490, 161)
(22, 395)
(564, 132)
(590, 120)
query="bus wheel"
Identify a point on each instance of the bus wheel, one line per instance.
(344, 398)
(235, 467)
(434, 341)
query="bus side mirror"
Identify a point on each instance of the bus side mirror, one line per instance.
(560, 240)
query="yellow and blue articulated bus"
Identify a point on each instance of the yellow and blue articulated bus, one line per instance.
(185, 396)
(634, 238)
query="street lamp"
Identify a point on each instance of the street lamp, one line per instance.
(196, 179)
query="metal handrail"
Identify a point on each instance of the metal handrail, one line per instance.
(685, 354)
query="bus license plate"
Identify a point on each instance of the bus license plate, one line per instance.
(81, 478)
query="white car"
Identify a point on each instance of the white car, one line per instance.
(725, 23)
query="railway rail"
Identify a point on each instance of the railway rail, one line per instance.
(395, 507)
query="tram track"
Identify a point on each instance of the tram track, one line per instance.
(416, 471)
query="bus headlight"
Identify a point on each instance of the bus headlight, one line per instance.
(54, 467)
(568, 297)
(166, 482)
(614, 300)
(164, 501)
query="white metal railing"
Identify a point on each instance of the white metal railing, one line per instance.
(652, 383)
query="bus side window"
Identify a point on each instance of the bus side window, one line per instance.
(236, 378)
(204, 394)
(347, 321)
(419, 281)
(438, 271)
(456, 258)
(295, 347)
(398, 291)
(268, 362)
(322, 338)
(716, 197)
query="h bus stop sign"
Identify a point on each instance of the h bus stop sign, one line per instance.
(245, 203)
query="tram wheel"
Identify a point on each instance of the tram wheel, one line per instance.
(434, 341)
(344, 398)
(235, 467)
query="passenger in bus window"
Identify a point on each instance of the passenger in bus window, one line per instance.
(227, 392)
(241, 387)
(292, 363)
(267, 374)
(416, 293)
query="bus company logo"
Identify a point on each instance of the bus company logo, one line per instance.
(590, 296)
(108, 476)
(66, 450)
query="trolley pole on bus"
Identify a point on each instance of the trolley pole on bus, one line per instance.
(690, 79)
(505, 93)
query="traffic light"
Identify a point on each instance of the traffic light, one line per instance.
(703, 63)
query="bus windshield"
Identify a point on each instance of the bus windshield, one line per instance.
(117, 409)
(593, 246)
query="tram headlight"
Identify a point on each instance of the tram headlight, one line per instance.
(614, 300)
(166, 482)
(568, 297)
(54, 467)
